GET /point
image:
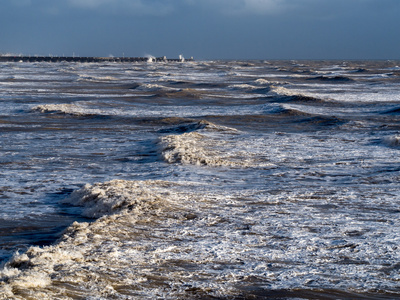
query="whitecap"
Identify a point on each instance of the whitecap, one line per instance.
(212, 146)
(112, 197)
(91, 78)
(67, 108)
(392, 141)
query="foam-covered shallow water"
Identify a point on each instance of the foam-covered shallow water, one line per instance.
(219, 179)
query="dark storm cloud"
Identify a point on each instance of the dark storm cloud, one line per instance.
(203, 28)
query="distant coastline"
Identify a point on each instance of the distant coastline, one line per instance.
(81, 59)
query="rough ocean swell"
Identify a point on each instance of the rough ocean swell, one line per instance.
(200, 180)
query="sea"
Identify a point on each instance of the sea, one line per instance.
(200, 180)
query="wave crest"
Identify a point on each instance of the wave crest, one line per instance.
(392, 141)
(107, 198)
(292, 96)
(67, 109)
(90, 78)
(208, 145)
(119, 240)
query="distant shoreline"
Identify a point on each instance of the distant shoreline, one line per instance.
(23, 58)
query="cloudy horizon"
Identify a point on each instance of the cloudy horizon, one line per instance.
(205, 29)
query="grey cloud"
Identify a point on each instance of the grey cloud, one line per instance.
(257, 6)
(147, 7)
(160, 7)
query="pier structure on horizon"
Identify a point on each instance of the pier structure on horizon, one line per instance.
(87, 59)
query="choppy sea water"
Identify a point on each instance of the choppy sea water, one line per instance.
(211, 180)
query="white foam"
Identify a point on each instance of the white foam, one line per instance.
(354, 93)
(92, 78)
(267, 83)
(70, 109)
(88, 109)
(157, 87)
(262, 81)
(393, 141)
(243, 87)
(188, 148)
(212, 146)
(165, 239)
(282, 91)
(114, 196)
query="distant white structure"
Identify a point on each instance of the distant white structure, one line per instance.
(181, 58)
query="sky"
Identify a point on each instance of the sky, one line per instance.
(204, 29)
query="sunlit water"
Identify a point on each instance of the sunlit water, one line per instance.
(231, 180)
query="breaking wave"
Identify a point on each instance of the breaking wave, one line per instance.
(250, 88)
(118, 195)
(160, 91)
(207, 144)
(89, 78)
(155, 87)
(95, 258)
(286, 110)
(392, 141)
(68, 109)
(159, 239)
(287, 95)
